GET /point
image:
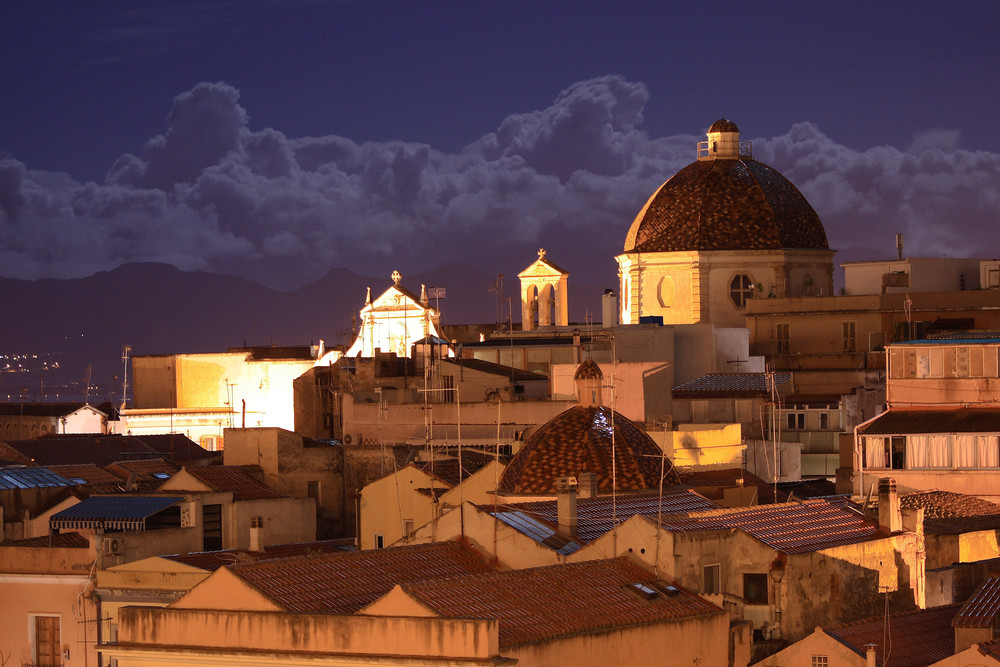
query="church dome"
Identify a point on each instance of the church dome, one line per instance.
(723, 125)
(578, 441)
(726, 200)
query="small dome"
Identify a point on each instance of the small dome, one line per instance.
(578, 441)
(726, 204)
(588, 370)
(723, 125)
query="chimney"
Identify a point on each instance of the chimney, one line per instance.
(566, 504)
(609, 309)
(257, 533)
(587, 487)
(889, 516)
(870, 655)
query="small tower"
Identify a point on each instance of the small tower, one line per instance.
(544, 295)
(723, 142)
(589, 379)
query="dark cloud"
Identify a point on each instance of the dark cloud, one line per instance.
(213, 194)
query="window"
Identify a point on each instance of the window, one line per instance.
(820, 661)
(407, 526)
(824, 421)
(755, 588)
(850, 331)
(740, 289)
(782, 337)
(379, 541)
(448, 384)
(713, 579)
(48, 643)
(743, 409)
(796, 421)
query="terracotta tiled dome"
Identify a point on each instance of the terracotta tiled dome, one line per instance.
(726, 203)
(723, 125)
(578, 441)
(588, 370)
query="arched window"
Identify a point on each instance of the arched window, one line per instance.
(740, 289)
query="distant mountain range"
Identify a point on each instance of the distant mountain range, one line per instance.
(159, 309)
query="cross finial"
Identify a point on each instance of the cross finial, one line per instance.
(396, 277)
(541, 253)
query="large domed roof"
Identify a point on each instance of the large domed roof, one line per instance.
(731, 203)
(578, 441)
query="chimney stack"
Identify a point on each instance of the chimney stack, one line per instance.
(566, 504)
(889, 516)
(587, 487)
(257, 533)
(870, 655)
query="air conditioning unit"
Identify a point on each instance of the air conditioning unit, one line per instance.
(112, 546)
(352, 439)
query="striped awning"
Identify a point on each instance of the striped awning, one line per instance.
(111, 512)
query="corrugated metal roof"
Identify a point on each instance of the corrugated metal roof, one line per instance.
(980, 610)
(111, 512)
(20, 477)
(917, 638)
(791, 528)
(966, 420)
(594, 515)
(543, 603)
(541, 532)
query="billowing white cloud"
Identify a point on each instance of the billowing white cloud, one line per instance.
(213, 194)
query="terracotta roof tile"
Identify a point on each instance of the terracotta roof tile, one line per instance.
(343, 583)
(234, 480)
(729, 384)
(446, 469)
(730, 478)
(981, 610)
(75, 449)
(917, 638)
(89, 472)
(42, 409)
(545, 603)
(146, 469)
(811, 525)
(579, 440)
(991, 649)
(55, 541)
(213, 560)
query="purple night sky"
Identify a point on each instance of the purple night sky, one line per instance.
(276, 140)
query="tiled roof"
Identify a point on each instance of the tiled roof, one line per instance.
(21, 477)
(966, 420)
(588, 370)
(726, 204)
(55, 541)
(447, 469)
(539, 604)
(723, 125)
(213, 560)
(111, 512)
(343, 583)
(579, 440)
(104, 449)
(89, 472)
(723, 385)
(991, 649)
(731, 478)
(594, 515)
(232, 479)
(917, 638)
(946, 504)
(791, 528)
(981, 610)
(42, 409)
(146, 469)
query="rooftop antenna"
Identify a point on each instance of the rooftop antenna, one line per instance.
(899, 246)
(126, 350)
